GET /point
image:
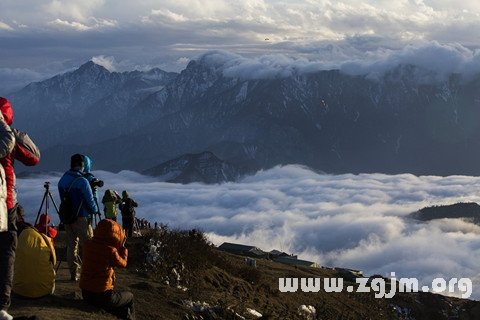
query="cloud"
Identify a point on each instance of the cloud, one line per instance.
(15, 78)
(73, 25)
(4, 26)
(183, 60)
(434, 61)
(106, 62)
(355, 221)
(73, 9)
(325, 31)
(168, 15)
(78, 26)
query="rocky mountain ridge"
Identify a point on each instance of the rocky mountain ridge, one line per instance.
(326, 120)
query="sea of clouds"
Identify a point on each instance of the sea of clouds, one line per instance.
(352, 221)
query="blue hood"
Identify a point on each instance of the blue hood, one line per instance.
(87, 164)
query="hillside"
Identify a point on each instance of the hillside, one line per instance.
(202, 167)
(189, 279)
(470, 210)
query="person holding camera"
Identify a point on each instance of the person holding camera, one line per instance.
(95, 183)
(76, 188)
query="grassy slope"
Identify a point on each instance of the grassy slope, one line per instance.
(222, 279)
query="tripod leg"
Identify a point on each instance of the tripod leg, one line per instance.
(41, 206)
(53, 201)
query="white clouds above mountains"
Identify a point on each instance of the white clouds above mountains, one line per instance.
(434, 58)
(356, 221)
(160, 32)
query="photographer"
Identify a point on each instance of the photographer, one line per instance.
(74, 186)
(127, 208)
(92, 180)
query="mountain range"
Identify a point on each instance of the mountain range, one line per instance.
(405, 120)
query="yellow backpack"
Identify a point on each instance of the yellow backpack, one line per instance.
(35, 260)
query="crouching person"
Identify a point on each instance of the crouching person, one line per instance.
(101, 254)
(34, 271)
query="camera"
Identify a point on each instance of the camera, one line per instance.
(96, 183)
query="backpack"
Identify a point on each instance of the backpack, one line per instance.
(128, 208)
(66, 211)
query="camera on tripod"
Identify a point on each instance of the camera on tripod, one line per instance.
(96, 183)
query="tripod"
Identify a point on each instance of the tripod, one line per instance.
(94, 218)
(47, 196)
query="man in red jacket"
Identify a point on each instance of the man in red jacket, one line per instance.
(25, 151)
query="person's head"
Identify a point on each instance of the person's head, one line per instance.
(77, 162)
(124, 194)
(44, 219)
(87, 164)
(110, 233)
(7, 111)
(108, 196)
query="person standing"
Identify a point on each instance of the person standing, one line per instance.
(74, 186)
(14, 144)
(92, 180)
(110, 201)
(127, 208)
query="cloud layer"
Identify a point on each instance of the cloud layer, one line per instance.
(434, 60)
(355, 221)
(352, 34)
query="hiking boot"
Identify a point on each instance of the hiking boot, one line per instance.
(5, 316)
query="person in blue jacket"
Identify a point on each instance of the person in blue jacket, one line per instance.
(94, 182)
(76, 186)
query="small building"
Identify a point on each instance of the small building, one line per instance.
(243, 250)
(353, 272)
(293, 261)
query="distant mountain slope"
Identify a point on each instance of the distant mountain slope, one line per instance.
(202, 167)
(470, 210)
(326, 120)
(85, 105)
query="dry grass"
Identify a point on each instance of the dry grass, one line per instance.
(227, 284)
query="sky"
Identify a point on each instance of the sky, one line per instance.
(41, 38)
(351, 221)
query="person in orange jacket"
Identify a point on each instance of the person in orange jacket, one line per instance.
(101, 255)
